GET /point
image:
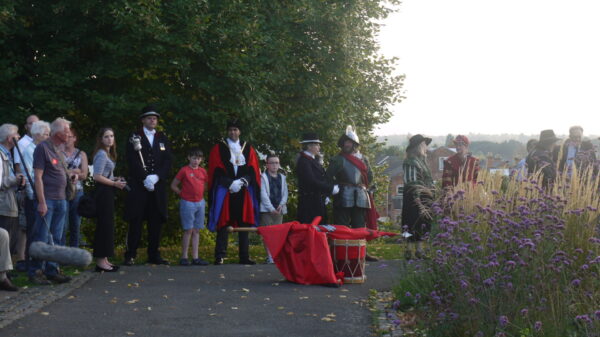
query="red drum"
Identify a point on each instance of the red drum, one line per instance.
(349, 257)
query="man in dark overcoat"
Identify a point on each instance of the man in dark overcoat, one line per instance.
(313, 188)
(149, 158)
(234, 191)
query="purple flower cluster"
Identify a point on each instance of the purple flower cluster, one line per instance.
(519, 261)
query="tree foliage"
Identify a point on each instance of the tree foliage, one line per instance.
(283, 67)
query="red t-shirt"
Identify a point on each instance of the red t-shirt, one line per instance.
(192, 183)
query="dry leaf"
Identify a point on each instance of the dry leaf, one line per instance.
(212, 314)
(246, 290)
(133, 301)
(113, 281)
(280, 308)
(129, 333)
(289, 313)
(113, 300)
(330, 315)
(343, 296)
(234, 308)
(71, 297)
(45, 313)
(221, 275)
(327, 319)
(165, 296)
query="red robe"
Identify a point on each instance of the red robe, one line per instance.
(219, 196)
(456, 171)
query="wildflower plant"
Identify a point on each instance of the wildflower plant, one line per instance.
(507, 256)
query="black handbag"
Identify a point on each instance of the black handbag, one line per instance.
(87, 205)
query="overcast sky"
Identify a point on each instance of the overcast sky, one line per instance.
(482, 66)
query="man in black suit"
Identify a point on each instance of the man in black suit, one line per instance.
(149, 158)
(313, 188)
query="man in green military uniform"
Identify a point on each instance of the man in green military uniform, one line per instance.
(353, 206)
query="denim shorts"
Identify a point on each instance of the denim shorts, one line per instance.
(192, 214)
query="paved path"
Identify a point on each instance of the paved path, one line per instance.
(228, 300)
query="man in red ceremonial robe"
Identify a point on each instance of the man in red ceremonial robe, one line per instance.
(234, 191)
(460, 167)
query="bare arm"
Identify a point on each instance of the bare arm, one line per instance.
(39, 192)
(175, 186)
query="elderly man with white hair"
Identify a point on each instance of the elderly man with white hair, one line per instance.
(10, 180)
(50, 182)
(40, 131)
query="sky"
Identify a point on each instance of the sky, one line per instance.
(482, 66)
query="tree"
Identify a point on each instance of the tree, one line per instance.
(283, 67)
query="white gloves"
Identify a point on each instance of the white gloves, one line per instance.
(236, 186)
(336, 190)
(149, 182)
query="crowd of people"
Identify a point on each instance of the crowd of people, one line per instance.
(42, 177)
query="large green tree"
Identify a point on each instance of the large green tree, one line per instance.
(284, 67)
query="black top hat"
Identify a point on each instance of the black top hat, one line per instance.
(416, 140)
(548, 136)
(149, 110)
(310, 137)
(234, 123)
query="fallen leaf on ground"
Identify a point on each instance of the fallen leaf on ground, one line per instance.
(133, 301)
(280, 308)
(289, 313)
(330, 315)
(45, 313)
(129, 333)
(113, 281)
(327, 319)
(246, 290)
(343, 296)
(165, 296)
(71, 297)
(234, 308)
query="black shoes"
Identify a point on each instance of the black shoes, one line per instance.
(7, 285)
(247, 261)
(129, 261)
(158, 260)
(101, 270)
(219, 261)
(199, 262)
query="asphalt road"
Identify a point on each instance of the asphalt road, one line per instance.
(228, 300)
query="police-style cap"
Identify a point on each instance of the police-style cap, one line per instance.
(149, 110)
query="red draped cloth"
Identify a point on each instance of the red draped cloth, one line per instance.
(301, 252)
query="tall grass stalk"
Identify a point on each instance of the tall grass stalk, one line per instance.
(509, 258)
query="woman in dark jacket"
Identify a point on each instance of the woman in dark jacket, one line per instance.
(313, 188)
(418, 189)
(105, 157)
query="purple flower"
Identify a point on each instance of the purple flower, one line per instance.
(408, 294)
(597, 314)
(396, 322)
(396, 305)
(524, 311)
(537, 326)
(503, 321)
(576, 282)
(584, 318)
(489, 281)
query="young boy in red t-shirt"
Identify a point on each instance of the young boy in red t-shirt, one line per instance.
(191, 206)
